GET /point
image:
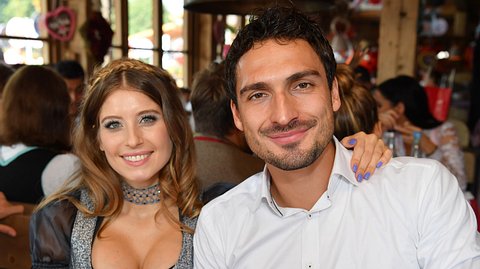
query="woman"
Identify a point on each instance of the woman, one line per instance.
(34, 135)
(403, 106)
(134, 202)
(358, 111)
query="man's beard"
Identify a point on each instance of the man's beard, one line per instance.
(294, 158)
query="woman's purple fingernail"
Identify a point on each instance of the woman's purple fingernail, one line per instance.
(352, 141)
(355, 167)
(379, 164)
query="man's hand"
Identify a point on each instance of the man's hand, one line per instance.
(369, 153)
(7, 209)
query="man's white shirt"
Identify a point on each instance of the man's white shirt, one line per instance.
(409, 214)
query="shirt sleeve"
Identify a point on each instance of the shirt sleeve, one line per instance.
(451, 153)
(50, 233)
(58, 171)
(207, 245)
(447, 236)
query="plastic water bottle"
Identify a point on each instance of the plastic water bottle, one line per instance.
(390, 141)
(416, 151)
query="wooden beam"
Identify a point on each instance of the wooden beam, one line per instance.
(398, 38)
(200, 42)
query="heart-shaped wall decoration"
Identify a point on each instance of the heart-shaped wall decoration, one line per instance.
(60, 23)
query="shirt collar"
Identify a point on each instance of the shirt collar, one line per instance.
(341, 170)
(341, 163)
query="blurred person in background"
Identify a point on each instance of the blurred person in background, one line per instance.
(34, 135)
(222, 151)
(403, 106)
(74, 76)
(358, 111)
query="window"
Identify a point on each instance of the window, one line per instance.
(23, 37)
(141, 33)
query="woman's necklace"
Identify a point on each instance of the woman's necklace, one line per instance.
(149, 195)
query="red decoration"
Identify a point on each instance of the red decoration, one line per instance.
(60, 23)
(439, 101)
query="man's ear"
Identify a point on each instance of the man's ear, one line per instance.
(236, 116)
(335, 93)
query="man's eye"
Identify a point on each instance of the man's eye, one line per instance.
(112, 125)
(256, 96)
(303, 85)
(148, 119)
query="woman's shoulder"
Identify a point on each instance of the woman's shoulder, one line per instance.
(50, 232)
(58, 209)
(191, 222)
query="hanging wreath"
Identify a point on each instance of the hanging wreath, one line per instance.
(60, 23)
(98, 36)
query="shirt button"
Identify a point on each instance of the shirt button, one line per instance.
(309, 216)
(309, 266)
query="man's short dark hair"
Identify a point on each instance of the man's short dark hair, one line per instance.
(210, 102)
(70, 69)
(281, 24)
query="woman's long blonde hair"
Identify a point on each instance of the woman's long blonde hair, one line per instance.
(176, 179)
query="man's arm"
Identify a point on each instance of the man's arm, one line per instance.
(447, 230)
(207, 250)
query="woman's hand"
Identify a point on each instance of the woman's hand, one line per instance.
(369, 153)
(407, 129)
(388, 119)
(7, 209)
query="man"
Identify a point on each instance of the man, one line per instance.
(223, 155)
(74, 76)
(306, 210)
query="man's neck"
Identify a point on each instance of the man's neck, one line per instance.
(303, 187)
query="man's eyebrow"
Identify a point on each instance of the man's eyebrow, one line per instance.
(290, 79)
(253, 87)
(299, 75)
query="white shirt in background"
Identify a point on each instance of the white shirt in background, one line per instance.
(56, 172)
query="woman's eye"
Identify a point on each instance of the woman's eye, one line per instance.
(112, 125)
(148, 119)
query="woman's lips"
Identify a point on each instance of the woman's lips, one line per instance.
(137, 158)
